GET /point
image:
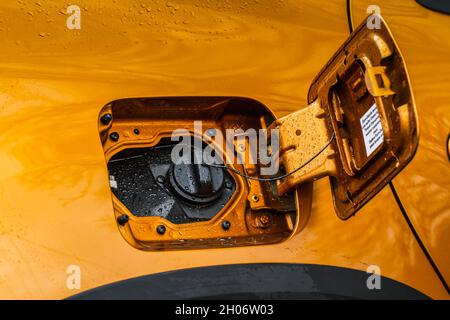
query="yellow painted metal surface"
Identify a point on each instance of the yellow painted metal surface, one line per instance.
(55, 202)
(424, 186)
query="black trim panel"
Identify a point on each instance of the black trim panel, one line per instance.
(253, 281)
(442, 6)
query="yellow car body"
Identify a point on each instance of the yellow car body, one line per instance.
(55, 201)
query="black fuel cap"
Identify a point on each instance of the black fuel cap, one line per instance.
(198, 183)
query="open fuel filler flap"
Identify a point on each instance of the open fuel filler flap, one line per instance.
(360, 129)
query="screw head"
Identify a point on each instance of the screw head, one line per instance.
(122, 219)
(161, 229)
(264, 219)
(226, 225)
(136, 131)
(114, 136)
(106, 118)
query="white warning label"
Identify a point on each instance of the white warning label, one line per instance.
(372, 129)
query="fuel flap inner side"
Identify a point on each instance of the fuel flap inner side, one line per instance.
(366, 93)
